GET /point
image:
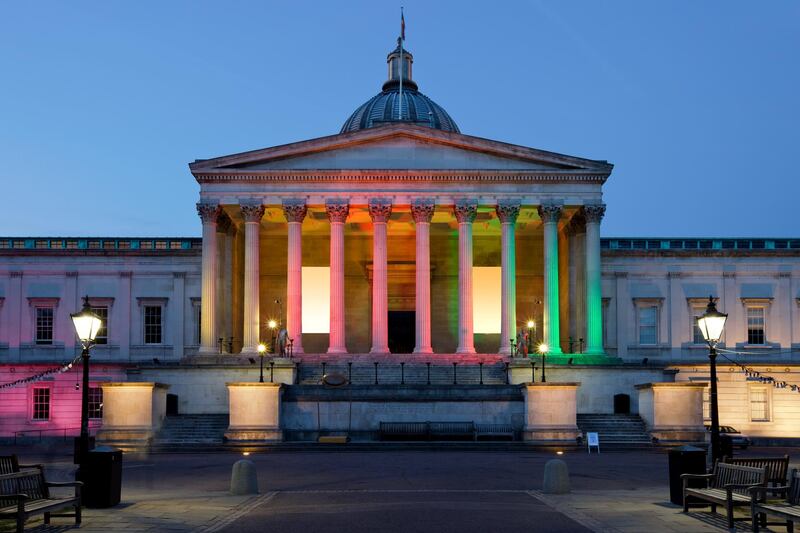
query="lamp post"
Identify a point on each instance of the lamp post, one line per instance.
(262, 349)
(272, 324)
(542, 349)
(531, 326)
(87, 325)
(711, 325)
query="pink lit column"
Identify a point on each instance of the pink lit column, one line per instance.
(379, 211)
(550, 214)
(507, 212)
(422, 211)
(337, 211)
(252, 215)
(465, 212)
(208, 320)
(295, 212)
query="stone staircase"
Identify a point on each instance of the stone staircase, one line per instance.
(186, 431)
(616, 431)
(411, 373)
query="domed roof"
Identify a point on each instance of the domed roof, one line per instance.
(400, 102)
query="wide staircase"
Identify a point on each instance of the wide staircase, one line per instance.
(186, 431)
(616, 430)
(410, 373)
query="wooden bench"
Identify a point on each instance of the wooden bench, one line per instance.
(26, 493)
(494, 431)
(788, 509)
(451, 430)
(9, 464)
(777, 467)
(403, 431)
(729, 486)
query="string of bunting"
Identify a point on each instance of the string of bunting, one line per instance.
(755, 374)
(65, 367)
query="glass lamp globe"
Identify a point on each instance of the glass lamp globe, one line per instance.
(712, 323)
(542, 348)
(87, 324)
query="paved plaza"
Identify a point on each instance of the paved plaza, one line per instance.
(364, 491)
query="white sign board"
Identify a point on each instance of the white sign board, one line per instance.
(592, 439)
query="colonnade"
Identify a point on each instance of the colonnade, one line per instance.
(380, 210)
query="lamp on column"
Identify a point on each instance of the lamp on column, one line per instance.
(273, 326)
(542, 349)
(711, 324)
(262, 349)
(87, 325)
(531, 327)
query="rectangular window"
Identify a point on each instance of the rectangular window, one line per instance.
(697, 335)
(102, 335)
(95, 402)
(41, 403)
(648, 324)
(44, 325)
(755, 325)
(707, 404)
(759, 404)
(152, 324)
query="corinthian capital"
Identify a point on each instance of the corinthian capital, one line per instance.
(380, 209)
(294, 210)
(208, 212)
(465, 211)
(550, 212)
(337, 210)
(594, 212)
(422, 210)
(507, 210)
(252, 213)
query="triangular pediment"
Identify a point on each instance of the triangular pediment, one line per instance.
(398, 146)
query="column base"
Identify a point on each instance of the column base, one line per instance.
(249, 350)
(467, 351)
(253, 435)
(336, 350)
(504, 350)
(205, 350)
(424, 350)
(380, 351)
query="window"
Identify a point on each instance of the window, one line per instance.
(95, 402)
(697, 335)
(152, 324)
(41, 403)
(755, 325)
(707, 404)
(199, 323)
(759, 404)
(648, 324)
(44, 325)
(102, 334)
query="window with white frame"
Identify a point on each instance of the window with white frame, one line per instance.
(102, 334)
(44, 325)
(647, 322)
(697, 335)
(756, 324)
(707, 403)
(759, 404)
(41, 403)
(95, 402)
(152, 321)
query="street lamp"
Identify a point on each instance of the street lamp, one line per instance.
(272, 324)
(262, 349)
(711, 325)
(531, 326)
(542, 349)
(87, 325)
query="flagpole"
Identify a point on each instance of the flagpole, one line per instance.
(400, 40)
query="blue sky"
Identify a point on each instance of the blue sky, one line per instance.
(103, 104)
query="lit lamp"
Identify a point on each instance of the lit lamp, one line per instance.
(531, 326)
(542, 349)
(711, 325)
(262, 349)
(273, 325)
(87, 325)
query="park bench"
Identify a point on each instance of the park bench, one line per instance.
(494, 431)
(27, 493)
(451, 430)
(728, 485)
(403, 431)
(788, 509)
(776, 467)
(9, 464)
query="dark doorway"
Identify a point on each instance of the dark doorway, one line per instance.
(622, 404)
(172, 404)
(401, 331)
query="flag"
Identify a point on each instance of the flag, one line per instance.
(402, 25)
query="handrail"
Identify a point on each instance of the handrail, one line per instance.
(24, 432)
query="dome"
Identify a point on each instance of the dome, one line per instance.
(399, 102)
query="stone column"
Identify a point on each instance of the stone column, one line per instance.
(208, 318)
(380, 209)
(223, 293)
(507, 212)
(295, 212)
(594, 293)
(465, 211)
(550, 214)
(422, 212)
(337, 211)
(252, 225)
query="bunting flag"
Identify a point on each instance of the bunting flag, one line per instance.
(65, 367)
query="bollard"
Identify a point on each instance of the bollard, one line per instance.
(556, 477)
(243, 478)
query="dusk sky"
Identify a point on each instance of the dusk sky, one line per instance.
(103, 104)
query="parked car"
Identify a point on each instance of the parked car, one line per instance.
(737, 438)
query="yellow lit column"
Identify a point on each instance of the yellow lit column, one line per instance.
(550, 215)
(208, 323)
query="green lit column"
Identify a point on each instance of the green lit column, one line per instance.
(594, 297)
(550, 214)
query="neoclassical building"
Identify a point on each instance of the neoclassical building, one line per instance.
(399, 247)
